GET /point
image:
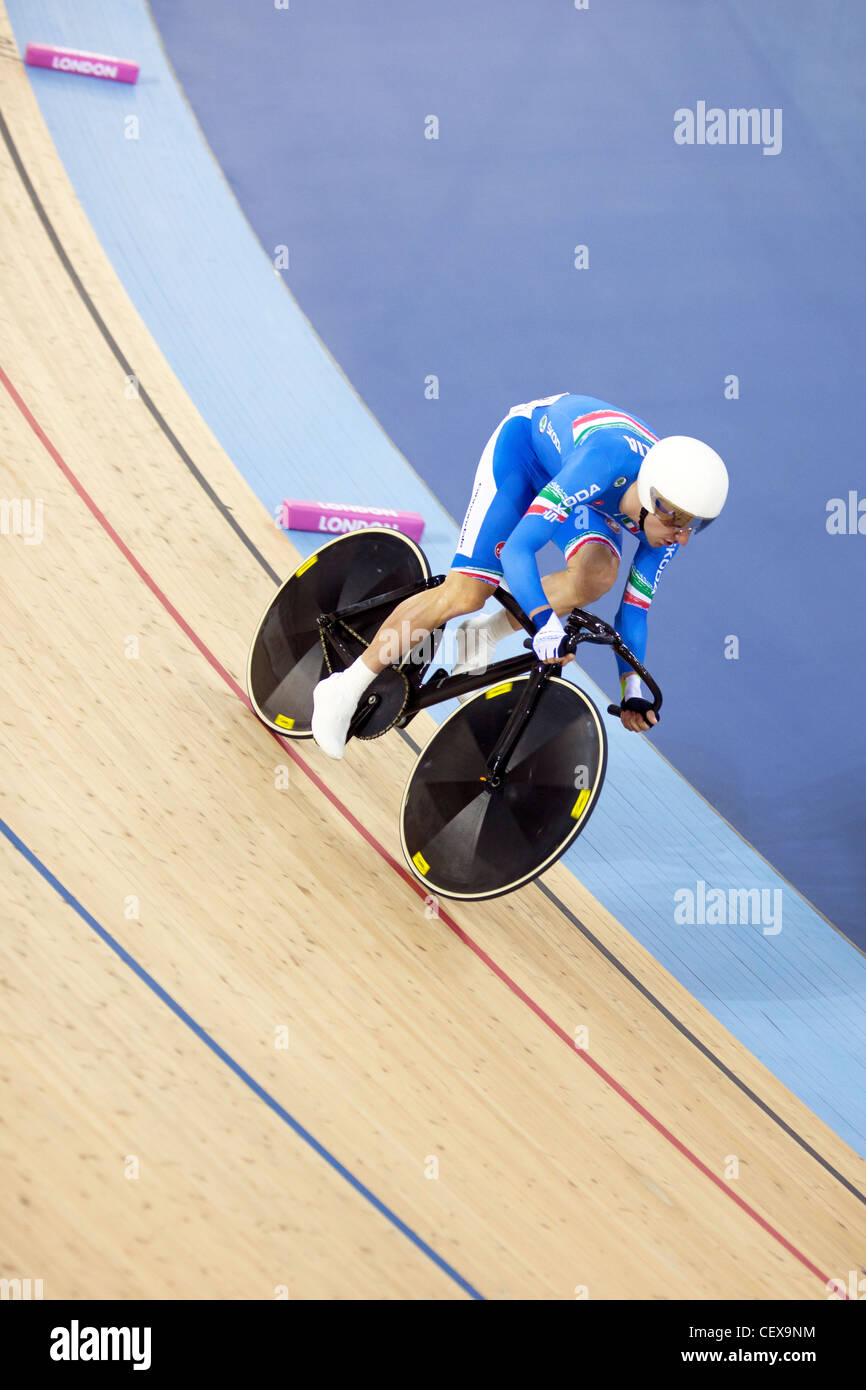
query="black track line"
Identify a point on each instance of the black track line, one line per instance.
(224, 511)
(117, 352)
(702, 1047)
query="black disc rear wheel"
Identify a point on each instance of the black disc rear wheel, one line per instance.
(286, 657)
(465, 838)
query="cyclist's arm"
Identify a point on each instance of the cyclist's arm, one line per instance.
(587, 465)
(631, 619)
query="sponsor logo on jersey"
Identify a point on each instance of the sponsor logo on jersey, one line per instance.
(670, 552)
(583, 495)
(551, 503)
(545, 427)
(499, 549)
(614, 525)
(618, 482)
(637, 446)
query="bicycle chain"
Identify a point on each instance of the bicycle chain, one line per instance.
(366, 738)
(324, 641)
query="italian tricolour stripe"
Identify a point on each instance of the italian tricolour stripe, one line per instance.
(489, 576)
(549, 500)
(585, 425)
(637, 590)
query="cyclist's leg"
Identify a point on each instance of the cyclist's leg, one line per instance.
(506, 481)
(504, 486)
(592, 550)
(501, 492)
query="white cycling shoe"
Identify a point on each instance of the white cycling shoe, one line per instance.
(335, 700)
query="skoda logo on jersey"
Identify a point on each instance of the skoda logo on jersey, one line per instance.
(582, 496)
(670, 550)
(545, 427)
(618, 482)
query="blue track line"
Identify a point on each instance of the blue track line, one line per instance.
(234, 1066)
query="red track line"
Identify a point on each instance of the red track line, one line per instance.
(389, 860)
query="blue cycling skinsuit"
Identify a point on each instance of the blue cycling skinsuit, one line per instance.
(556, 470)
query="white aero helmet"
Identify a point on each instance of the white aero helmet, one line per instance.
(682, 474)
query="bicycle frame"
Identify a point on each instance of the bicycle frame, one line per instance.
(580, 626)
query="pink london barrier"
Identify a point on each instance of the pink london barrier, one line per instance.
(334, 520)
(48, 55)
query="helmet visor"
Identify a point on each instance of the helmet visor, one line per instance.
(667, 512)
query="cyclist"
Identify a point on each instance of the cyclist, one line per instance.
(574, 470)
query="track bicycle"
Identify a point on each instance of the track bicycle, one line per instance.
(509, 780)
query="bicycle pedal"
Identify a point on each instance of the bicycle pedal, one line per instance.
(382, 706)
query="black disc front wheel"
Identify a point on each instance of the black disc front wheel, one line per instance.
(465, 837)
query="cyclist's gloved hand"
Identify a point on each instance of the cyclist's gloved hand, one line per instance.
(640, 708)
(547, 640)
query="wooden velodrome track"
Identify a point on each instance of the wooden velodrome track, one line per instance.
(145, 815)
